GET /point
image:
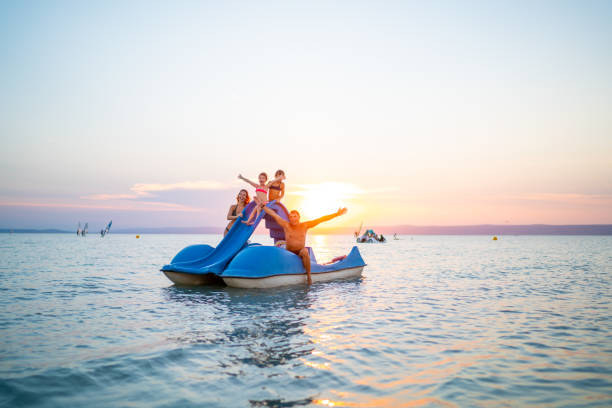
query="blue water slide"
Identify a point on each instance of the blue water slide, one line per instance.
(215, 260)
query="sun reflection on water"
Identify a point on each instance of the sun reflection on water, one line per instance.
(384, 402)
(318, 366)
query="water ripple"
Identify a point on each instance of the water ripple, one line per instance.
(435, 321)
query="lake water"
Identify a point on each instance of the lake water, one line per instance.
(435, 321)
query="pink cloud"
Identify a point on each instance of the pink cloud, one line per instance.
(184, 185)
(570, 198)
(343, 189)
(104, 197)
(146, 189)
(126, 206)
(132, 201)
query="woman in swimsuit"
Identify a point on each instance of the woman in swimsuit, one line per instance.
(261, 193)
(242, 199)
(277, 188)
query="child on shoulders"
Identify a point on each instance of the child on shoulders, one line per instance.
(261, 194)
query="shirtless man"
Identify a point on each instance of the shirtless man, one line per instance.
(295, 233)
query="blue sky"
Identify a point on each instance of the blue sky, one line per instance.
(441, 112)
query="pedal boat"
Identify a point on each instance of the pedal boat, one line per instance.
(258, 266)
(268, 267)
(238, 263)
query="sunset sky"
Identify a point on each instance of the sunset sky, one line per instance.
(406, 112)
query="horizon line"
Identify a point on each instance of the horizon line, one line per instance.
(473, 229)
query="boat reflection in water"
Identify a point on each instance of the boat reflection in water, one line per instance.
(259, 337)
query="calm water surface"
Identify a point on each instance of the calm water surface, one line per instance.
(435, 321)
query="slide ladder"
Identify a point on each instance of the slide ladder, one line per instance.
(276, 231)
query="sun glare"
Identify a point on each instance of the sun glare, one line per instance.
(325, 198)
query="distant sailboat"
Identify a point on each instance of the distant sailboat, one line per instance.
(105, 231)
(84, 231)
(79, 229)
(359, 230)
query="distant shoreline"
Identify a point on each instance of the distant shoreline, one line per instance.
(534, 229)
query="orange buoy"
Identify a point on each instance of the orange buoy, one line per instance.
(494, 238)
(138, 236)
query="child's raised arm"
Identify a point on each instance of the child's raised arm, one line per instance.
(279, 178)
(248, 181)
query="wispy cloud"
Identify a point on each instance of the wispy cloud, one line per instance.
(142, 190)
(184, 185)
(574, 198)
(106, 197)
(125, 206)
(141, 197)
(346, 190)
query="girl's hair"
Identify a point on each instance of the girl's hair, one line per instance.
(247, 199)
(279, 173)
(264, 174)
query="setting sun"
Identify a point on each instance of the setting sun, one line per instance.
(317, 200)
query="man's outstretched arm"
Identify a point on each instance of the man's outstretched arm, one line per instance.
(274, 215)
(314, 223)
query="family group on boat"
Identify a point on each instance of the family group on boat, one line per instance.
(236, 262)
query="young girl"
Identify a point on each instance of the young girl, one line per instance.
(277, 188)
(261, 194)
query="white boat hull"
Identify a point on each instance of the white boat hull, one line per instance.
(371, 241)
(189, 279)
(292, 279)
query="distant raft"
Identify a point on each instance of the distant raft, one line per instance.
(370, 237)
